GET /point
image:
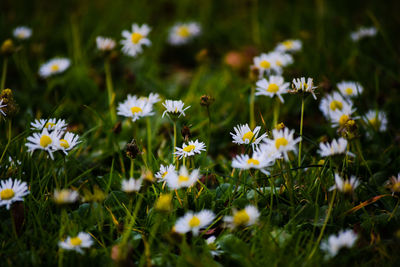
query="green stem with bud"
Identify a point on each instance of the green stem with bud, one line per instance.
(149, 150)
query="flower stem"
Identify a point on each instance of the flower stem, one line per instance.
(276, 113)
(131, 169)
(173, 149)
(110, 91)
(149, 151)
(324, 225)
(8, 142)
(252, 122)
(4, 73)
(301, 129)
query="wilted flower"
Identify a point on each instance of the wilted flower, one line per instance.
(300, 85)
(131, 185)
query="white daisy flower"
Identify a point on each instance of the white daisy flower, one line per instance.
(131, 185)
(45, 141)
(377, 119)
(333, 102)
(190, 149)
(164, 170)
(258, 161)
(50, 124)
(194, 222)
(350, 89)
(54, 66)
(339, 118)
(181, 33)
(394, 183)
(12, 191)
(345, 186)
(135, 108)
(245, 217)
(151, 99)
(300, 84)
(22, 32)
(1, 107)
(334, 243)
(266, 63)
(104, 43)
(182, 179)
(68, 142)
(281, 59)
(291, 45)
(336, 147)
(82, 240)
(133, 42)
(282, 142)
(362, 33)
(65, 196)
(213, 246)
(275, 85)
(174, 107)
(243, 135)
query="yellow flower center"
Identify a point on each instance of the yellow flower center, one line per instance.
(135, 110)
(396, 187)
(347, 188)
(249, 135)
(349, 91)
(21, 35)
(183, 178)
(265, 64)
(194, 222)
(75, 241)
(241, 217)
(321, 162)
(183, 31)
(189, 148)
(343, 119)
(64, 143)
(55, 67)
(7, 193)
(278, 62)
(288, 44)
(253, 161)
(164, 174)
(375, 123)
(45, 140)
(49, 124)
(281, 142)
(164, 202)
(305, 85)
(136, 37)
(336, 105)
(272, 88)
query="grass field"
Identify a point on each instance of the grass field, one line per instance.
(289, 201)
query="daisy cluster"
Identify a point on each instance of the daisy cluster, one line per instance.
(50, 135)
